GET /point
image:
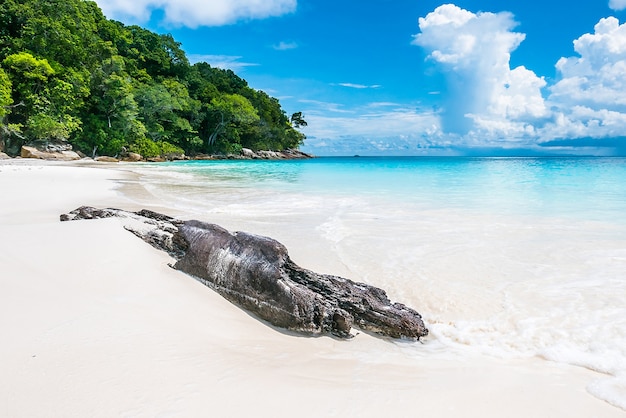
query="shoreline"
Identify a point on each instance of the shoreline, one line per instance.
(97, 324)
(34, 153)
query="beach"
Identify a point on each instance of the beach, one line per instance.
(95, 323)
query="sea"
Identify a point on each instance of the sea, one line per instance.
(506, 257)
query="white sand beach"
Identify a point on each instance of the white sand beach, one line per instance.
(94, 323)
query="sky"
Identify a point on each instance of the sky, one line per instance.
(419, 77)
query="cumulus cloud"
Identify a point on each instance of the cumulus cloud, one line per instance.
(484, 93)
(590, 97)
(487, 105)
(194, 13)
(596, 77)
(617, 4)
(584, 122)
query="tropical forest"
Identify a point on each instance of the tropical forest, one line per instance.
(70, 75)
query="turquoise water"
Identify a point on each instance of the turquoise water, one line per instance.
(509, 257)
(588, 188)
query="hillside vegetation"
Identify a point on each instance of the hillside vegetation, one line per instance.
(67, 73)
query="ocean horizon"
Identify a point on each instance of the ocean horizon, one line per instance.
(513, 257)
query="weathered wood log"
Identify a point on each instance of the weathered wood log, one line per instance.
(256, 273)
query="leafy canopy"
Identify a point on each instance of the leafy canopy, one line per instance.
(69, 74)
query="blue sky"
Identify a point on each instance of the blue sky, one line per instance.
(400, 77)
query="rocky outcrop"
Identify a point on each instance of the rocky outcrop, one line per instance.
(132, 157)
(175, 156)
(248, 154)
(257, 274)
(61, 155)
(3, 156)
(290, 154)
(106, 159)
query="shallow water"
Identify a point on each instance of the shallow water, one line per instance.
(512, 257)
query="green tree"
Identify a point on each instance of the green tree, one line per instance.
(14, 15)
(158, 55)
(5, 102)
(29, 76)
(112, 120)
(44, 103)
(232, 114)
(43, 127)
(161, 106)
(5, 94)
(297, 120)
(65, 32)
(112, 94)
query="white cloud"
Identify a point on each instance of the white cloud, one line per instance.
(584, 122)
(194, 13)
(412, 144)
(225, 62)
(617, 4)
(358, 86)
(285, 46)
(487, 104)
(136, 11)
(484, 93)
(382, 104)
(596, 77)
(372, 120)
(321, 106)
(590, 97)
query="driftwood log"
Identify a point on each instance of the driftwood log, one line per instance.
(256, 273)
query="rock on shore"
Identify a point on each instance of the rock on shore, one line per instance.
(257, 274)
(248, 154)
(61, 155)
(63, 152)
(288, 154)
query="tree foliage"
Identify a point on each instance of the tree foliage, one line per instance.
(5, 94)
(69, 74)
(297, 120)
(44, 102)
